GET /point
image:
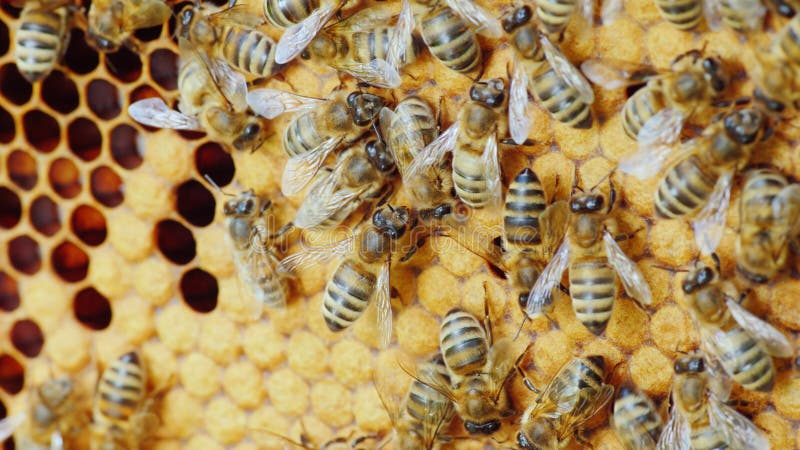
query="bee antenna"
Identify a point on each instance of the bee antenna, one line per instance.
(215, 185)
(715, 257)
(519, 330)
(601, 180)
(668, 269)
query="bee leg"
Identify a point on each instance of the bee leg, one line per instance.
(420, 242)
(487, 322)
(581, 439)
(626, 236)
(509, 141)
(525, 380)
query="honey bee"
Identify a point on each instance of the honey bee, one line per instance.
(775, 75)
(699, 173)
(741, 342)
(305, 19)
(111, 23)
(213, 98)
(595, 261)
(669, 98)
(636, 419)
(575, 394)
(42, 37)
(742, 16)
(555, 15)
(699, 419)
(540, 68)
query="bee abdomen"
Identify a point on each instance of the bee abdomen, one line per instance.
(40, 41)
(790, 40)
(417, 110)
(463, 342)
(583, 374)
(593, 290)
(525, 201)
(422, 398)
(684, 189)
(451, 40)
(301, 135)
(631, 407)
(555, 14)
(285, 13)
(707, 437)
(561, 100)
(250, 51)
(120, 391)
(639, 108)
(469, 179)
(746, 361)
(684, 14)
(347, 295)
(273, 291)
(761, 187)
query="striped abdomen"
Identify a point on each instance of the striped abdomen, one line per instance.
(704, 436)
(561, 100)
(684, 14)
(120, 394)
(593, 288)
(585, 374)
(412, 115)
(790, 40)
(463, 343)
(422, 398)
(285, 13)
(745, 360)
(737, 13)
(249, 51)
(347, 294)
(302, 135)
(761, 186)
(271, 288)
(684, 189)
(525, 201)
(40, 40)
(374, 44)
(451, 40)
(639, 108)
(634, 416)
(555, 14)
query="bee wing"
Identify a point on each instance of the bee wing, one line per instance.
(401, 36)
(710, 221)
(632, 279)
(486, 24)
(383, 303)
(775, 342)
(676, 433)
(231, 83)
(519, 123)
(433, 152)
(739, 430)
(635, 428)
(611, 10)
(315, 255)
(712, 13)
(612, 73)
(491, 163)
(587, 8)
(154, 112)
(787, 203)
(564, 69)
(300, 169)
(10, 424)
(411, 136)
(56, 441)
(295, 39)
(238, 14)
(657, 139)
(589, 405)
(377, 72)
(549, 279)
(271, 103)
(553, 225)
(323, 201)
(145, 14)
(261, 264)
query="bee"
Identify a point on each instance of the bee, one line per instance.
(555, 15)
(740, 341)
(111, 23)
(699, 419)
(775, 74)
(42, 37)
(540, 68)
(591, 254)
(575, 394)
(636, 419)
(213, 98)
(699, 173)
(669, 98)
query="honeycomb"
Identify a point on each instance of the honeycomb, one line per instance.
(112, 240)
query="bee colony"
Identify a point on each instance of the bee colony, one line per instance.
(128, 255)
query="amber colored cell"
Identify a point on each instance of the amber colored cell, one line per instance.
(60, 93)
(65, 178)
(103, 99)
(9, 292)
(212, 160)
(45, 217)
(27, 337)
(10, 208)
(7, 127)
(125, 147)
(124, 65)
(142, 92)
(84, 139)
(89, 225)
(22, 169)
(200, 290)
(106, 186)
(13, 86)
(79, 57)
(195, 203)
(41, 130)
(164, 68)
(70, 262)
(92, 309)
(24, 254)
(175, 241)
(12, 374)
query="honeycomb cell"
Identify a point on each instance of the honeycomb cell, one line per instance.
(200, 290)
(12, 374)
(24, 254)
(9, 292)
(70, 262)
(79, 57)
(164, 68)
(142, 92)
(13, 86)
(175, 241)
(212, 160)
(125, 147)
(195, 203)
(124, 65)
(65, 179)
(106, 186)
(103, 99)
(84, 139)
(10, 208)
(22, 169)
(44, 215)
(148, 34)
(27, 337)
(41, 130)
(60, 92)
(89, 225)
(92, 309)
(8, 128)
(4, 44)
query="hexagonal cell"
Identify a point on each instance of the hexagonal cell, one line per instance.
(5, 41)
(13, 86)
(142, 92)
(199, 289)
(148, 34)
(9, 292)
(175, 241)
(195, 203)
(65, 178)
(124, 65)
(84, 139)
(10, 208)
(80, 58)
(8, 129)
(125, 147)
(164, 68)
(22, 169)
(103, 99)
(60, 92)
(70, 262)
(41, 130)
(212, 160)
(27, 337)
(45, 216)
(24, 254)
(12, 374)
(92, 309)
(106, 186)
(89, 225)
(10, 9)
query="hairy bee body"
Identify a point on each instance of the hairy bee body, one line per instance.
(690, 397)
(120, 396)
(641, 107)
(636, 419)
(683, 14)
(411, 115)
(41, 39)
(111, 23)
(285, 13)
(554, 15)
(775, 75)
(525, 201)
(368, 45)
(451, 40)
(593, 288)
(422, 398)
(463, 343)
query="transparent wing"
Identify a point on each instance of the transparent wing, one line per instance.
(433, 152)
(317, 254)
(491, 163)
(301, 169)
(676, 434)
(231, 83)
(154, 112)
(753, 12)
(238, 14)
(713, 14)
(656, 147)
(383, 303)
(740, 431)
(611, 10)
(271, 103)
(775, 342)
(632, 279)
(56, 441)
(401, 37)
(587, 9)
(485, 23)
(786, 203)
(145, 14)
(564, 69)
(636, 429)
(549, 279)
(553, 223)
(295, 39)
(588, 406)
(615, 74)
(377, 72)
(10, 424)
(323, 201)
(404, 134)
(710, 221)
(260, 266)
(663, 128)
(519, 123)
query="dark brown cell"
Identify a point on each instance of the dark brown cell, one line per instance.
(103, 99)
(89, 225)
(80, 58)
(70, 262)
(41, 130)
(9, 292)
(164, 68)
(84, 139)
(124, 65)
(142, 92)
(175, 241)
(8, 129)
(27, 337)
(106, 186)
(92, 309)
(10, 208)
(12, 374)
(4, 40)
(60, 92)
(199, 289)
(195, 203)
(148, 34)
(24, 254)
(125, 146)
(10, 9)
(212, 160)
(14, 87)
(65, 178)
(44, 215)
(22, 169)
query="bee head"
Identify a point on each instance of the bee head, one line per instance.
(380, 157)
(690, 364)
(250, 137)
(587, 203)
(242, 205)
(55, 392)
(747, 125)
(716, 74)
(698, 278)
(490, 92)
(517, 18)
(487, 428)
(391, 221)
(770, 103)
(185, 18)
(364, 108)
(538, 433)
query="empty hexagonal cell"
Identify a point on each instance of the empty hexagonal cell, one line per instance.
(148, 34)
(27, 337)
(4, 39)
(9, 292)
(212, 160)
(80, 58)
(10, 9)
(175, 241)
(164, 68)
(125, 147)
(84, 139)
(106, 186)
(195, 203)
(41, 130)
(60, 92)
(89, 225)
(124, 65)
(24, 254)
(69, 262)
(142, 92)
(92, 309)
(65, 178)
(45, 216)
(10, 208)
(8, 129)
(22, 169)
(12, 374)
(199, 289)
(13, 86)
(103, 99)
